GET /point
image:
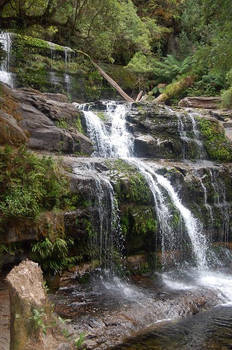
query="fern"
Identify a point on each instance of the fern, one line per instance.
(53, 256)
(168, 69)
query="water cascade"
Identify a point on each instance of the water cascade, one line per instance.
(112, 139)
(221, 203)
(104, 232)
(5, 74)
(189, 134)
(116, 142)
(67, 78)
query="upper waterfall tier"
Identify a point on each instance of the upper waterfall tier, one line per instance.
(160, 133)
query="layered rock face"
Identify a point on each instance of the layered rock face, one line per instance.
(50, 122)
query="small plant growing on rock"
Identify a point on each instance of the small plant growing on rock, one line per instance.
(38, 317)
(79, 341)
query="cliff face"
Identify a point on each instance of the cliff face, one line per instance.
(57, 204)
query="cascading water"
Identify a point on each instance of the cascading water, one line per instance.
(105, 231)
(67, 78)
(5, 74)
(118, 143)
(221, 203)
(113, 140)
(189, 134)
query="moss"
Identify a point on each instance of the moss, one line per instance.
(78, 125)
(215, 141)
(227, 98)
(62, 123)
(139, 227)
(39, 43)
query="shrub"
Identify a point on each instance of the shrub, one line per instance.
(53, 256)
(227, 98)
(30, 184)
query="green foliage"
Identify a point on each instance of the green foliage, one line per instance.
(53, 256)
(206, 25)
(208, 84)
(216, 144)
(38, 319)
(170, 68)
(30, 184)
(62, 123)
(79, 341)
(141, 63)
(227, 98)
(163, 70)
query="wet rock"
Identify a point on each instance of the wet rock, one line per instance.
(200, 102)
(56, 97)
(52, 124)
(148, 146)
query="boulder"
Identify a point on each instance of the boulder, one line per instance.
(150, 147)
(56, 97)
(31, 315)
(52, 124)
(10, 131)
(200, 102)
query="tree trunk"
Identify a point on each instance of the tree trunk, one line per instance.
(175, 89)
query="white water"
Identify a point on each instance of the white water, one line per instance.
(117, 142)
(5, 74)
(185, 134)
(105, 232)
(207, 205)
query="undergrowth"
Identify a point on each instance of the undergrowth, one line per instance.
(31, 184)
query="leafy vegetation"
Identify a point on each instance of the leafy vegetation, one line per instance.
(38, 319)
(161, 40)
(53, 256)
(30, 185)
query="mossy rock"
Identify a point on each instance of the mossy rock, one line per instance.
(139, 227)
(215, 141)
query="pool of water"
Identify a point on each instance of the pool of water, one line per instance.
(207, 330)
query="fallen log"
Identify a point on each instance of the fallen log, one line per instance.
(108, 78)
(174, 89)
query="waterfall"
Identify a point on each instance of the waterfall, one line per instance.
(112, 139)
(221, 203)
(104, 231)
(67, 78)
(5, 74)
(189, 135)
(207, 205)
(116, 142)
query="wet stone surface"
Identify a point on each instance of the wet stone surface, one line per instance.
(108, 311)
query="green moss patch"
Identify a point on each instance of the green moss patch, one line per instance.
(215, 141)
